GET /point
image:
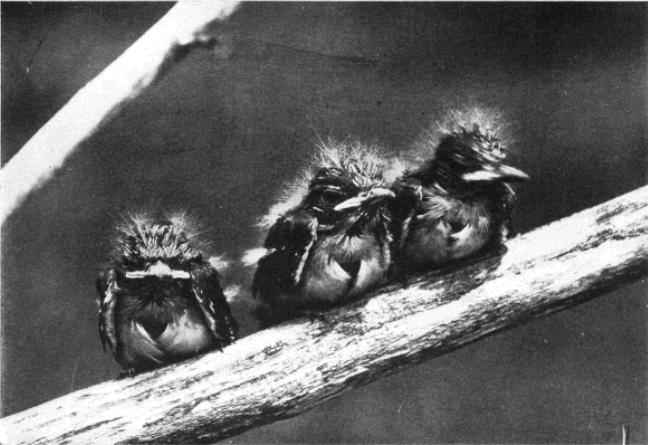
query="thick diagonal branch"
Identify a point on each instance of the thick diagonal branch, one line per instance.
(284, 371)
(187, 24)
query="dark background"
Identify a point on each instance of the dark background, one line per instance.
(221, 135)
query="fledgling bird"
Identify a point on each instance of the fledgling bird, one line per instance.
(160, 301)
(465, 200)
(334, 243)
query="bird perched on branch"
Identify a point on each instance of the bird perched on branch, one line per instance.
(334, 243)
(159, 301)
(465, 199)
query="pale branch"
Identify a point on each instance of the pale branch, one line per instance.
(186, 25)
(281, 372)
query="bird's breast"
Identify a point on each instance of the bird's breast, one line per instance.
(448, 229)
(184, 335)
(344, 266)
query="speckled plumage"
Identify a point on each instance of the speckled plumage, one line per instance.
(334, 243)
(465, 199)
(160, 301)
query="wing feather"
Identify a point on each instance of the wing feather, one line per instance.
(106, 295)
(289, 243)
(210, 297)
(409, 196)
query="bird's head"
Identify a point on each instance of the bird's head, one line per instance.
(349, 184)
(468, 151)
(474, 157)
(156, 254)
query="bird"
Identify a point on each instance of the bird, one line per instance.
(458, 203)
(334, 243)
(160, 301)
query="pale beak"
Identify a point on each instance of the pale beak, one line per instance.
(159, 269)
(499, 173)
(374, 195)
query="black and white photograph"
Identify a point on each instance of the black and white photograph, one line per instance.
(324, 222)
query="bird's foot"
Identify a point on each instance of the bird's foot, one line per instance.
(314, 315)
(488, 253)
(481, 256)
(398, 275)
(402, 273)
(130, 372)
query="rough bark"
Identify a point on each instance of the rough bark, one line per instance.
(186, 25)
(286, 370)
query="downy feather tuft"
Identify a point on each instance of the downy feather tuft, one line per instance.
(487, 124)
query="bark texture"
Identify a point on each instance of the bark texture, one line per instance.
(186, 25)
(286, 370)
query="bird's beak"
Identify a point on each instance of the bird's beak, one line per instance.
(374, 196)
(159, 269)
(499, 173)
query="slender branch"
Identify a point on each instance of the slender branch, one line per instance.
(284, 371)
(186, 25)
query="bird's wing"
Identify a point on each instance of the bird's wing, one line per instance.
(507, 204)
(106, 296)
(409, 195)
(289, 243)
(208, 293)
(434, 207)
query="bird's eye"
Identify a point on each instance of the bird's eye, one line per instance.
(332, 198)
(173, 263)
(136, 284)
(139, 284)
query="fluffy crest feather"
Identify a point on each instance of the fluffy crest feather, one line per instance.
(396, 168)
(289, 197)
(369, 159)
(145, 236)
(482, 123)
